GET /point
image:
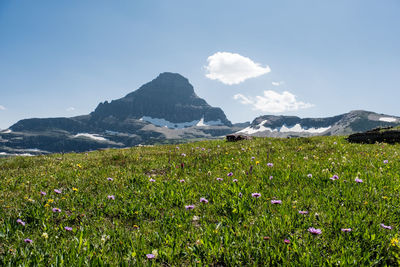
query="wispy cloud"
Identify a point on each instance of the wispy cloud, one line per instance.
(278, 83)
(2, 107)
(70, 109)
(273, 102)
(232, 68)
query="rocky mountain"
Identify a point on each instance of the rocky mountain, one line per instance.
(348, 123)
(165, 110)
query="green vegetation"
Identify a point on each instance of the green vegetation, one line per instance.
(124, 220)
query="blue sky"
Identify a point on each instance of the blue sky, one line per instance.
(305, 58)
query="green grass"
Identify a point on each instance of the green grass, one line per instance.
(234, 228)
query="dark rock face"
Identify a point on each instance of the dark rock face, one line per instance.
(380, 135)
(170, 96)
(237, 137)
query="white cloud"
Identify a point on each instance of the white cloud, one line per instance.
(231, 68)
(2, 107)
(278, 83)
(70, 109)
(273, 102)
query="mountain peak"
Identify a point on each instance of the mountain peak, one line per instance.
(169, 97)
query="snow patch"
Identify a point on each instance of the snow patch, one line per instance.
(91, 136)
(180, 125)
(284, 129)
(388, 119)
(6, 131)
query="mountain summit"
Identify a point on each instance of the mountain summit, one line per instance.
(169, 99)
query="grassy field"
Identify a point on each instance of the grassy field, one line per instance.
(300, 201)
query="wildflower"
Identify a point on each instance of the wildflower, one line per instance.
(334, 177)
(21, 222)
(46, 205)
(394, 242)
(136, 226)
(309, 175)
(56, 210)
(314, 231)
(252, 158)
(57, 191)
(152, 180)
(150, 256)
(75, 189)
(43, 193)
(386, 226)
(287, 241)
(240, 194)
(203, 200)
(109, 179)
(358, 180)
(27, 240)
(303, 212)
(346, 230)
(257, 162)
(183, 155)
(276, 201)
(219, 179)
(67, 228)
(230, 174)
(271, 177)
(189, 207)
(266, 238)
(45, 235)
(50, 200)
(235, 180)
(256, 195)
(385, 161)
(182, 181)
(269, 164)
(111, 197)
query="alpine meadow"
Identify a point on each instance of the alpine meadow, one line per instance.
(267, 201)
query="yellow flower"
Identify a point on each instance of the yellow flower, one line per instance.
(257, 162)
(47, 205)
(50, 200)
(394, 242)
(366, 202)
(45, 235)
(79, 165)
(385, 197)
(75, 189)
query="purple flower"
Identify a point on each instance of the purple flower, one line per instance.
(386, 161)
(309, 175)
(21, 222)
(109, 179)
(269, 164)
(276, 201)
(152, 180)
(271, 177)
(386, 226)
(177, 147)
(111, 197)
(219, 179)
(303, 212)
(358, 180)
(189, 207)
(314, 231)
(346, 230)
(150, 256)
(203, 200)
(287, 241)
(57, 191)
(67, 228)
(56, 210)
(240, 194)
(334, 177)
(43, 193)
(256, 195)
(182, 181)
(183, 155)
(27, 240)
(230, 174)
(235, 180)
(252, 158)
